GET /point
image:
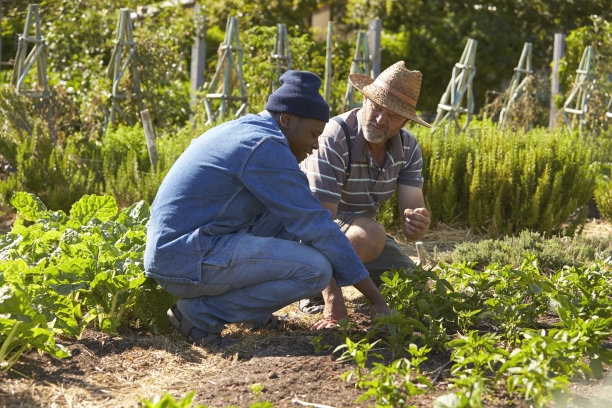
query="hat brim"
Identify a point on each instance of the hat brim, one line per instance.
(384, 98)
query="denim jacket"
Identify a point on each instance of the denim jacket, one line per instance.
(220, 186)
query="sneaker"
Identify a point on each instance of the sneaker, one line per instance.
(311, 305)
(191, 333)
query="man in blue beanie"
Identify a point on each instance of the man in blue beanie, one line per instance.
(235, 232)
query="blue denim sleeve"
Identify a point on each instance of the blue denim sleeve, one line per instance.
(273, 176)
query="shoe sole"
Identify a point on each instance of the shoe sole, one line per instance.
(211, 339)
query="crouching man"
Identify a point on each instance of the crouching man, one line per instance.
(235, 231)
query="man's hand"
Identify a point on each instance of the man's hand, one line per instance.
(416, 223)
(379, 309)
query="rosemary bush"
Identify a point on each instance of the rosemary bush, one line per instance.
(502, 182)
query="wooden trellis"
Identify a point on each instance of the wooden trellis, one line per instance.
(459, 89)
(282, 54)
(328, 58)
(577, 102)
(38, 56)
(124, 42)
(359, 65)
(231, 71)
(522, 74)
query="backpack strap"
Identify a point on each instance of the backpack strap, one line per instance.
(349, 143)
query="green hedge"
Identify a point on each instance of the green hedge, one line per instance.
(60, 170)
(502, 182)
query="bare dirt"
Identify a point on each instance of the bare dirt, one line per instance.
(120, 371)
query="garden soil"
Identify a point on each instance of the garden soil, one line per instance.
(294, 366)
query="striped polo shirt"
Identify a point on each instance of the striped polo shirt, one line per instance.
(368, 185)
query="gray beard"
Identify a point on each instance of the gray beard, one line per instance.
(373, 138)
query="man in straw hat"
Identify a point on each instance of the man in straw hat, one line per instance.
(363, 155)
(235, 232)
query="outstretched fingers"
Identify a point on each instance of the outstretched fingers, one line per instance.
(324, 324)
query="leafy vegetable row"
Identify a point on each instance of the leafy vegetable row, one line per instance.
(60, 273)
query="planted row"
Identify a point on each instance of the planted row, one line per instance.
(491, 323)
(62, 272)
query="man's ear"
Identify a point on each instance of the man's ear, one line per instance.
(285, 119)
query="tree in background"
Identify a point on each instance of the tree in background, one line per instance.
(434, 33)
(261, 12)
(80, 37)
(428, 35)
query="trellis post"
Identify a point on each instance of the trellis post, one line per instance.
(124, 41)
(558, 51)
(38, 56)
(328, 58)
(359, 65)
(198, 55)
(225, 67)
(281, 55)
(149, 131)
(375, 29)
(522, 73)
(577, 102)
(459, 88)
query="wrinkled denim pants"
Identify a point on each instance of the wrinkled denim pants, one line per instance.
(265, 274)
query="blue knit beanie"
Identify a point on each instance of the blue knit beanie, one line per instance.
(299, 95)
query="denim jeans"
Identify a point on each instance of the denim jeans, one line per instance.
(264, 275)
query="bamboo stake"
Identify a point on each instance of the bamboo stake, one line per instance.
(150, 136)
(420, 252)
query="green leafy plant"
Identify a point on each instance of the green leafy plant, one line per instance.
(358, 353)
(60, 272)
(500, 184)
(257, 388)
(475, 357)
(167, 401)
(395, 384)
(317, 343)
(539, 369)
(603, 193)
(399, 330)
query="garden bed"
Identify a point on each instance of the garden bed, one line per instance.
(293, 366)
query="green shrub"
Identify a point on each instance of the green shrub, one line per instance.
(502, 182)
(552, 253)
(127, 171)
(59, 173)
(603, 198)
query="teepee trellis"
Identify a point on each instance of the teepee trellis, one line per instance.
(282, 54)
(522, 73)
(124, 41)
(459, 88)
(359, 65)
(577, 102)
(38, 56)
(231, 71)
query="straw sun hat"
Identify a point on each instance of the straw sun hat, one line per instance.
(396, 88)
